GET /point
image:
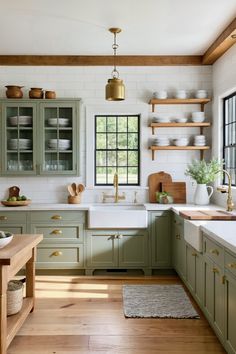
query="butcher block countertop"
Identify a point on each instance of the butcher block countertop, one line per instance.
(208, 215)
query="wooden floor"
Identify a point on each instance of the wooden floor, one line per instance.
(85, 315)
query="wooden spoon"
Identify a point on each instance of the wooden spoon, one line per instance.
(70, 190)
(80, 188)
(73, 185)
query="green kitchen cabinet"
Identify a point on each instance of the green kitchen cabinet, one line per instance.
(40, 137)
(194, 273)
(178, 246)
(214, 287)
(14, 222)
(116, 249)
(63, 242)
(160, 239)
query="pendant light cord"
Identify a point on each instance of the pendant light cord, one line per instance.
(115, 46)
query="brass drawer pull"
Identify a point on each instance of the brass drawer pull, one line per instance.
(3, 217)
(232, 265)
(56, 254)
(56, 232)
(177, 237)
(56, 217)
(194, 254)
(215, 251)
(215, 270)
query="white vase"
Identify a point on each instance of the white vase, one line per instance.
(202, 194)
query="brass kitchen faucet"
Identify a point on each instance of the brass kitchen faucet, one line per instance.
(230, 203)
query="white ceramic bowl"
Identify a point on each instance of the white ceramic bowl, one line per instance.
(4, 241)
(181, 94)
(181, 120)
(198, 114)
(181, 142)
(62, 122)
(161, 94)
(201, 94)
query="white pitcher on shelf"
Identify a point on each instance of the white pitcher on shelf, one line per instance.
(202, 194)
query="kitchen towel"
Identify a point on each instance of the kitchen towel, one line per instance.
(162, 301)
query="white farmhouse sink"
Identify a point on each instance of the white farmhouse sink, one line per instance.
(193, 234)
(117, 216)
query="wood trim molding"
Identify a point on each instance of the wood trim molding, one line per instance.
(221, 44)
(99, 60)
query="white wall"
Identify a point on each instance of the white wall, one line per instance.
(224, 83)
(89, 83)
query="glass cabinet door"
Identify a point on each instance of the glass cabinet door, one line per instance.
(58, 150)
(18, 123)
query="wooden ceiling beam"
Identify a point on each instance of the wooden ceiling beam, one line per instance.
(221, 44)
(99, 60)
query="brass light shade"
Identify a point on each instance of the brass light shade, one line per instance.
(115, 89)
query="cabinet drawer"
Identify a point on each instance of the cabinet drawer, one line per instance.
(57, 216)
(12, 217)
(60, 257)
(214, 251)
(230, 263)
(60, 233)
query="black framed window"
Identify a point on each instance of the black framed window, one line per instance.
(229, 136)
(117, 149)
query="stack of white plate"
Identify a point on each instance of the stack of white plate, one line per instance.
(181, 94)
(198, 117)
(161, 141)
(181, 141)
(199, 140)
(201, 94)
(23, 144)
(61, 144)
(161, 94)
(21, 120)
(61, 122)
(161, 120)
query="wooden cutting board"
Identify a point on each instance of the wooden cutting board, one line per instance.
(155, 181)
(177, 190)
(207, 215)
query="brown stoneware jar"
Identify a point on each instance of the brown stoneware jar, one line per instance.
(14, 91)
(36, 92)
(50, 94)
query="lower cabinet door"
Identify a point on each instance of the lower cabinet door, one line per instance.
(60, 257)
(214, 296)
(133, 249)
(191, 268)
(102, 249)
(230, 283)
(14, 229)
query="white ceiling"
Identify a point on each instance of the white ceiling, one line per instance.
(80, 27)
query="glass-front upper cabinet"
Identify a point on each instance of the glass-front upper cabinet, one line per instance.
(59, 138)
(18, 138)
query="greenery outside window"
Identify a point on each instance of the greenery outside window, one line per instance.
(117, 149)
(229, 136)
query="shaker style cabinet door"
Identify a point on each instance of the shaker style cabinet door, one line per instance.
(58, 149)
(18, 121)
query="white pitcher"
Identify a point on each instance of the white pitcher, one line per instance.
(202, 194)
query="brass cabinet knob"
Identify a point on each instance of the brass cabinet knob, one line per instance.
(215, 270)
(177, 237)
(56, 217)
(56, 254)
(56, 232)
(3, 217)
(232, 265)
(194, 254)
(215, 251)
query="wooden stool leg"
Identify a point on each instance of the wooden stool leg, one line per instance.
(3, 309)
(30, 277)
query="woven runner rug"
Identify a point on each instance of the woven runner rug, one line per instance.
(162, 301)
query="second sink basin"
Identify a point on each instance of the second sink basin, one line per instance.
(117, 216)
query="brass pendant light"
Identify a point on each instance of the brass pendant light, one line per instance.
(115, 89)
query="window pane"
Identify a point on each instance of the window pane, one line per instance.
(122, 158)
(101, 158)
(122, 124)
(132, 175)
(132, 158)
(122, 173)
(111, 158)
(110, 174)
(111, 141)
(122, 141)
(111, 124)
(101, 141)
(101, 124)
(133, 124)
(101, 175)
(133, 141)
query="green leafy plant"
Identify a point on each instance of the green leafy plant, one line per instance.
(204, 172)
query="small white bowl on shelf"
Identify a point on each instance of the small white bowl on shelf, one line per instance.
(161, 120)
(201, 94)
(181, 94)
(181, 120)
(181, 142)
(161, 94)
(198, 117)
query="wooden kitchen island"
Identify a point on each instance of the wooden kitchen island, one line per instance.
(19, 252)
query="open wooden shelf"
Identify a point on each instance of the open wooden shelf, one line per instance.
(201, 101)
(154, 148)
(179, 125)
